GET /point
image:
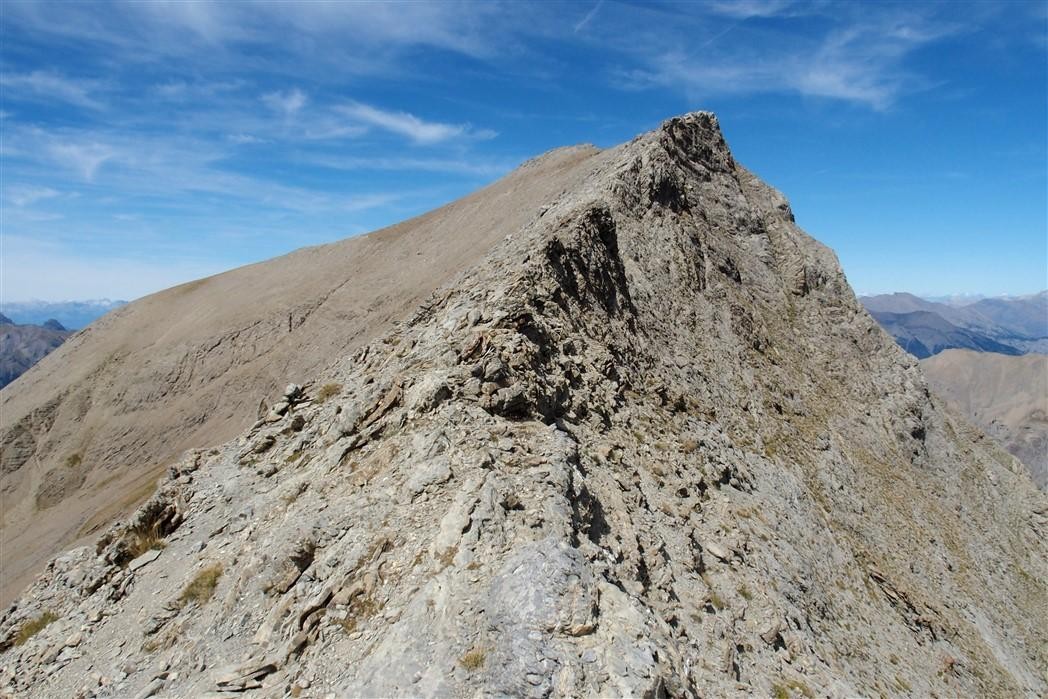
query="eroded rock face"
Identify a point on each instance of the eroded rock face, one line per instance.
(650, 446)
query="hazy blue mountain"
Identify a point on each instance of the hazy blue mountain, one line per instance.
(72, 315)
(923, 334)
(1008, 325)
(22, 346)
(1025, 316)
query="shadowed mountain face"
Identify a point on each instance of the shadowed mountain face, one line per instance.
(923, 333)
(1006, 396)
(1004, 325)
(613, 426)
(22, 346)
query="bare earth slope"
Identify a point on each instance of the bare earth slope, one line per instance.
(1006, 396)
(647, 444)
(187, 367)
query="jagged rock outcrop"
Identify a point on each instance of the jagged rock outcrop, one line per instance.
(648, 445)
(88, 430)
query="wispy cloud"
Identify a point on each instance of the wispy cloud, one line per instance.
(83, 158)
(745, 9)
(357, 37)
(473, 167)
(858, 60)
(581, 24)
(409, 125)
(23, 195)
(131, 166)
(286, 103)
(49, 86)
(364, 202)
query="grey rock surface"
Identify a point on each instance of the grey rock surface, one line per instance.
(693, 466)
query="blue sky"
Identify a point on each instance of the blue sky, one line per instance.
(149, 143)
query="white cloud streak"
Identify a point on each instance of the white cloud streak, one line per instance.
(83, 158)
(859, 60)
(409, 125)
(472, 167)
(581, 24)
(22, 195)
(52, 87)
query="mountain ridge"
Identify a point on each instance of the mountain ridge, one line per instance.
(149, 381)
(648, 443)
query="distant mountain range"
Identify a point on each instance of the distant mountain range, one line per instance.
(71, 314)
(22, 346)
(1005, 325)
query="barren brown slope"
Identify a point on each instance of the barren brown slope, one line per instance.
(86, 432)
(1006, 396)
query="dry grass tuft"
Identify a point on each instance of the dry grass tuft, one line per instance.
(328, 390)
(33, 627)
(782, 691)
(144, 538)
(473, 659)
(202, 588)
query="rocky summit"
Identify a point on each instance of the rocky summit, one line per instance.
(647, 444)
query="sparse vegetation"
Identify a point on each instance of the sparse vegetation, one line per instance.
(781, 690)
(328, 390)
(202, 587)
(349, 624)
(34, 626)
(473, 659)
(364, 606)
(716, 600)
(144, 538)
(73, 460)
(745, 592)
(447, 556)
